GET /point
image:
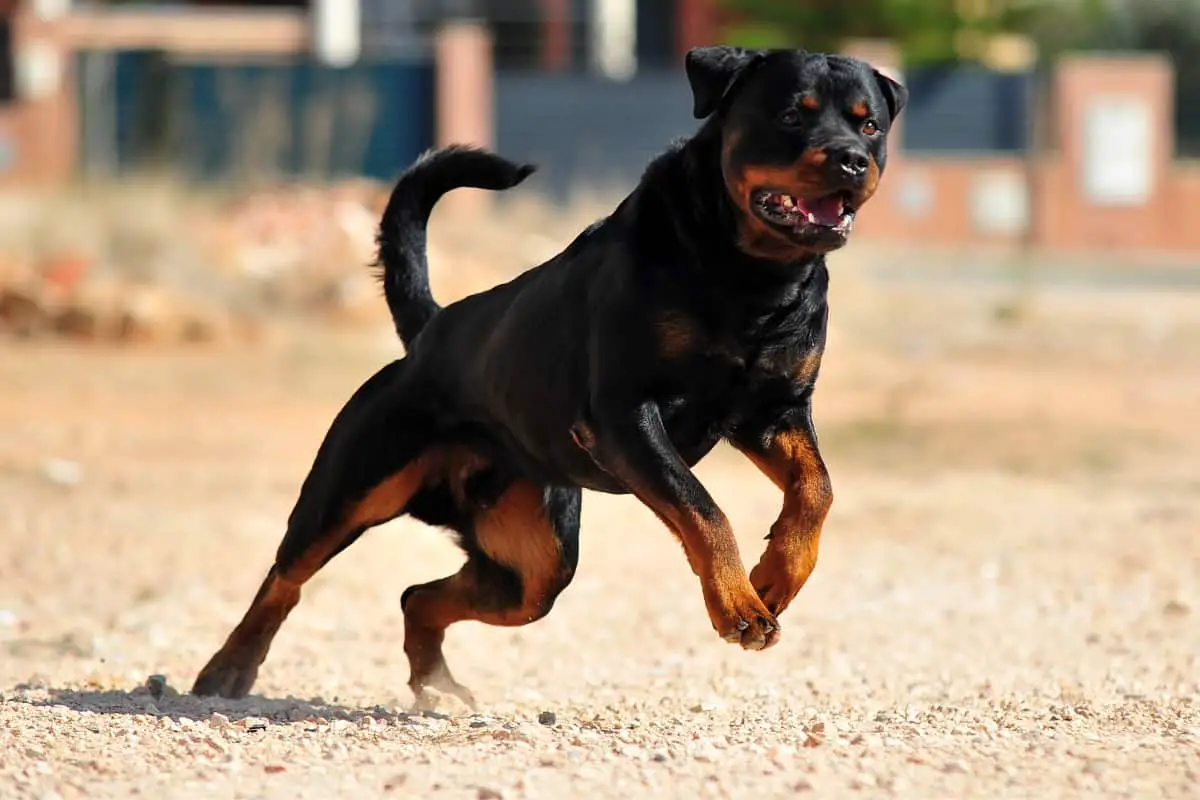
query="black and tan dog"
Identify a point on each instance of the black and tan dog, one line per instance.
(696, 312)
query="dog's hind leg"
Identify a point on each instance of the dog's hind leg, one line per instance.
(373, 460)
(522, 551)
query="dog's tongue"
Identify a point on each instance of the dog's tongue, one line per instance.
(826, 211)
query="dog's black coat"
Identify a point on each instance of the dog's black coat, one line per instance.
(683, 318)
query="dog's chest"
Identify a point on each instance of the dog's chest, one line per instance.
(724, 379)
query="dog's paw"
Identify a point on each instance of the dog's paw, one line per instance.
(223, 679)
(743, 619)
(777, 580)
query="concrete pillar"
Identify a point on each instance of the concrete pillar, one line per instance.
(556, 35)
(695, 26)
(613, 45)
(42, 124)
(464, 114)
(1115, 122)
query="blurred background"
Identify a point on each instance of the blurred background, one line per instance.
(234, 154)
(1008, 404)
(223, 150)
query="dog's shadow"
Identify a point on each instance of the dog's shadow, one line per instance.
(164, 701)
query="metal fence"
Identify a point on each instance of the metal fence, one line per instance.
(967, 110)
(589, 132)
(220, 120)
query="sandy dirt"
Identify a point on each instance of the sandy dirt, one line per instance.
(1007, 603)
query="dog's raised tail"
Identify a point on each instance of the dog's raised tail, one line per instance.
(403, 268)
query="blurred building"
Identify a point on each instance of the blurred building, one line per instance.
(1082, 154)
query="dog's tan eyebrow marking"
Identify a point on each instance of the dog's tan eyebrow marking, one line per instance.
(810, 101)
(859, 109)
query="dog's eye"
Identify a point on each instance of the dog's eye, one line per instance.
(790, 118)
(870, 128)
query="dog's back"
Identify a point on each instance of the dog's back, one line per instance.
(401, 237)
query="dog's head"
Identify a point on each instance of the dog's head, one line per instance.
(803, 142)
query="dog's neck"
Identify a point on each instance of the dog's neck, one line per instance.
(687, 222)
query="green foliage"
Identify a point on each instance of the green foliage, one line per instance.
(927, 31)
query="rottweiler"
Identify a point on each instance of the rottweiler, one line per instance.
(694, 313)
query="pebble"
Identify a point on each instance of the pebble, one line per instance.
(156, 685)
(62, 472)
(254, 723)
(547, 718)
(863, 781)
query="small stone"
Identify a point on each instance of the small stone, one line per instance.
(253, 724)
(485, 793)
(547, 718)
(274, 769)
(863, 781)
(62, 472)
(802, 785)
(395, 782)
(156, 685)
(218, 720)
(342, 725)
(955, 767)
(1175, 608)
(816, 735)
(705, 753)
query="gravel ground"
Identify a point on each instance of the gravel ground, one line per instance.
(1006, 605)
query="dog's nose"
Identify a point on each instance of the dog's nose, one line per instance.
(853, 161)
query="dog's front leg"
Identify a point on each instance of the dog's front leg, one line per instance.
(787, 454)
(631, 444)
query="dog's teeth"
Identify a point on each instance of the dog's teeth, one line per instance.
(812, 218)
(787, 201)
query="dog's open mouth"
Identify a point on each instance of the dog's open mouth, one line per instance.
(831, 213)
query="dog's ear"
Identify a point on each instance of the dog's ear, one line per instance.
(895, 95)
(713, 72)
